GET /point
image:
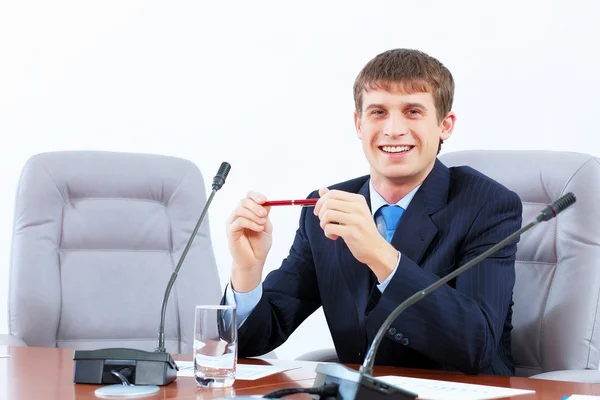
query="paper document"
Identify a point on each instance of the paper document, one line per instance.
(428, 389)
(244, 372)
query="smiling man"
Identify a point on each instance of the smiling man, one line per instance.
(373, 241)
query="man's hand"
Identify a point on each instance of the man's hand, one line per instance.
(347, 215)
(249, 231)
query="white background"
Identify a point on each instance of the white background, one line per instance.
(267, 86)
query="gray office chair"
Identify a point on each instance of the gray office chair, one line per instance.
(556, 315)
(96, 238)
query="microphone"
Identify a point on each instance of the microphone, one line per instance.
(361, 385)
(116, 365)
(219, 178)
(558, 206)
(217, 184)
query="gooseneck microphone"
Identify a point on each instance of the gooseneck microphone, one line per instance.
(116, 365)
(217, 184)
(353, 385)
(547, 213)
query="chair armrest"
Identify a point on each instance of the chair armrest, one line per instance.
(574, 375)
(323, 355)
(10, 340)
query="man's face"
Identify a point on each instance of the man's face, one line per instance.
(400, 135)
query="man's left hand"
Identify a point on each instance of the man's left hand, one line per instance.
(347, 215)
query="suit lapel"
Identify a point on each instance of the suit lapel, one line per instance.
(413, 235)
(356, 275)
(416, 229)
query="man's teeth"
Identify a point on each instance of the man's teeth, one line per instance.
(395, 149)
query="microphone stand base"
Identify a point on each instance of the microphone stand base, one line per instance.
(356, 386)
(147, 368)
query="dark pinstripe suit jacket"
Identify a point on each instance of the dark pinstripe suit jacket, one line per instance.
(457, 214)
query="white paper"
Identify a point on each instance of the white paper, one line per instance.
(243, 372)
(582, 397)
(429, 389)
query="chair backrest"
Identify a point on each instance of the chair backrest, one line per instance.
(557, 289)
(96, 238)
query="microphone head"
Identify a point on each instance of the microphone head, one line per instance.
(563, 202)
(221, 175)
(559, 205)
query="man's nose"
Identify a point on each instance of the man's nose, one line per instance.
(395, 126)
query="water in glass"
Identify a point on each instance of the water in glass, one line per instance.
(215, 346)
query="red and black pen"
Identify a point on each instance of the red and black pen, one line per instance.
(303, 203)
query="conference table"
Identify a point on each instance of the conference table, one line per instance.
(30, 373)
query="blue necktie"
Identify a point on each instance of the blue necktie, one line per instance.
(391, 215)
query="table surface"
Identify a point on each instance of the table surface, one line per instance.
(47, 374)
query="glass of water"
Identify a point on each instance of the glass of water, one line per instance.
(215, 345)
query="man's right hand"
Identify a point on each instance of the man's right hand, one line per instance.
(249, 237)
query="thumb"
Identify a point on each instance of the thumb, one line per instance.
(322, 192)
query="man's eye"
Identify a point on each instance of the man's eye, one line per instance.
(378, 112)
(414, 112)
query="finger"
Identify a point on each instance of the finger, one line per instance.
(342, 206)
(259, 198)
(336, 217)
(333, 231)
(342, 195)
(331, 205)
(268, 227)
(239, 210)
(339, 195)
(256, 196)
(250, 214)
(253, 206)
(322, 192)
(241, 223)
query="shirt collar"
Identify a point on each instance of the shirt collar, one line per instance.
(377, 201)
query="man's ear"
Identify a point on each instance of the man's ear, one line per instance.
(447, 125)
(357, 125)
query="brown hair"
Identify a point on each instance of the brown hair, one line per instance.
(414, 71)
